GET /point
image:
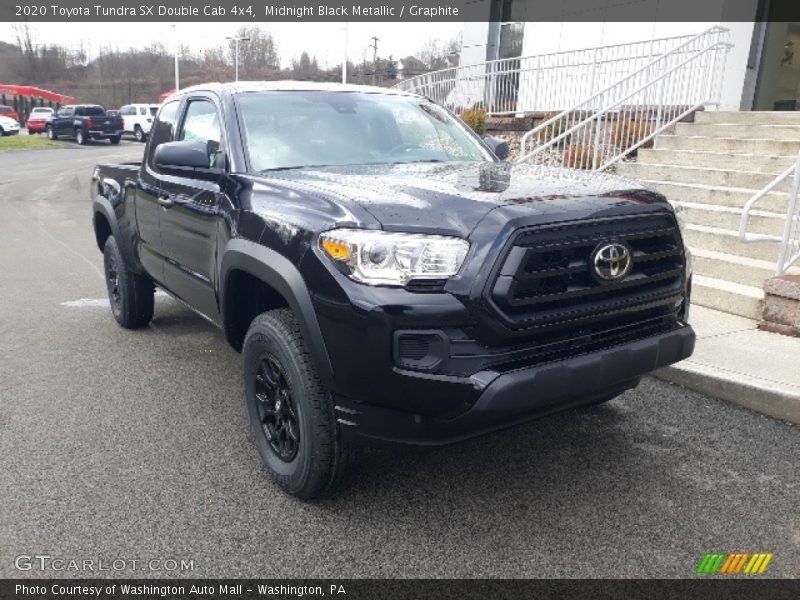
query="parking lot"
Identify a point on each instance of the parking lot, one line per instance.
(118, 444)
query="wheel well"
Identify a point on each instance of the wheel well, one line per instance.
(246, 297)
(102, 229)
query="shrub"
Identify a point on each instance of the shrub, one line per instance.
(476, 119)
(630, 130)
(579, 156)
(555, 129)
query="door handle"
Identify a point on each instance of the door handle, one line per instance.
(166, 201)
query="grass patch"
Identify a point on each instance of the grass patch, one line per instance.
(10, 143)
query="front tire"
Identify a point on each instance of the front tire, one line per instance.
(51, 134)
(139, 134)
(290, 412)
(131, 295)
(79, 137)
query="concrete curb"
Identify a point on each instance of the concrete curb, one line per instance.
(756, 394)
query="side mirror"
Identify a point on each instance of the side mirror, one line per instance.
(497, 146)
(189, 158)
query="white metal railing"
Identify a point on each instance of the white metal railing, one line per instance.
(544, 82)
(614, 122)
(790, 240)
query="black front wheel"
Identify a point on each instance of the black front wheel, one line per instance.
(290, 412)
(51, 133)
(80, 137)
(131, 295)
(139, 134)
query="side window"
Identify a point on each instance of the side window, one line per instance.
(78, 111)
(125, 111)
(163, 128)
(142, 110)
(202, 124)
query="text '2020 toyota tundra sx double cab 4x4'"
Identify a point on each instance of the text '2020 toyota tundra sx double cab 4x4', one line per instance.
(388, 279)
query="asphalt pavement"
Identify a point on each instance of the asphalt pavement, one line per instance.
(132, 445)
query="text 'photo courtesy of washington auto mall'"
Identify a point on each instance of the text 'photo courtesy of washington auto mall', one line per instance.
(433, 299)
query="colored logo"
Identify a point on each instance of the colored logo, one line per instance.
(721, 563)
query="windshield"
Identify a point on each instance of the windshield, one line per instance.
(289, 130)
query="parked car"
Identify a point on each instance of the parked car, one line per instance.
(8, 126)
(85, 122)
(138, 119)
(386, 276)
(37, 120)
(7, 111)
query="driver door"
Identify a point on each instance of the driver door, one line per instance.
(190, 225)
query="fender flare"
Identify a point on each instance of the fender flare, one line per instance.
(283, 276)
(103, 206)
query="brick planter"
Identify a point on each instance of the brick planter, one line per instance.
(782, 305)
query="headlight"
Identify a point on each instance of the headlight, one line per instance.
(680, 216)
(385, 258)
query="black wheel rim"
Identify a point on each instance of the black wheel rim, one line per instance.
(112, 279)
(276, 409)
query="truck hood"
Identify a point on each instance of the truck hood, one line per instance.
(454, 197)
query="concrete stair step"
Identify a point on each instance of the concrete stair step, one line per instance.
(731, 144)
(697, 174)
(740, 269)
(734, 298)
(740, 130)
(727, 217)
(727, 240)
(715, 160)
(721, 196)
(748, 117)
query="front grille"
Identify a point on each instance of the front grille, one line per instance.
(547, 278)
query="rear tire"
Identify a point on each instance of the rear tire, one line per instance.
(289, 410)
(79, 137)
(131, 295)
(51, 134)
(114, 139)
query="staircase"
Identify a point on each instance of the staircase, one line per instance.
(712, 167)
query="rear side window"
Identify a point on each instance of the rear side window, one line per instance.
(94, 111)
(163, 128)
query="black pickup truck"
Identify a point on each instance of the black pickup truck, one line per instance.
(85, 122)
(386, 276)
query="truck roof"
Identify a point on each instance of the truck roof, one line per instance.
(291, 86)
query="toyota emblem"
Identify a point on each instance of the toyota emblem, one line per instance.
(612, 261)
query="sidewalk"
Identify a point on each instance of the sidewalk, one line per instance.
(734, 361)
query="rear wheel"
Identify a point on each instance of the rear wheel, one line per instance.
(80, 137)
(51, 134)
(114, 139)
(138, 134)
(289, 410)
(131, 295)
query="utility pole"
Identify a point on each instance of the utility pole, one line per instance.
(177, 49)
(344, 60)
(374, 60)
(236, 41)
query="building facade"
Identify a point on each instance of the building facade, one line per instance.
(760, 72)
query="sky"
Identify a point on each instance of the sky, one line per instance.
(323, 40)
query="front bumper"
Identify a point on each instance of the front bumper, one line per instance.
(520, 395)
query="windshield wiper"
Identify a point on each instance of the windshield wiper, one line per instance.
(294, 167)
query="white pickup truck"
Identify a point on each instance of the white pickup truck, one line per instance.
(138, 119)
